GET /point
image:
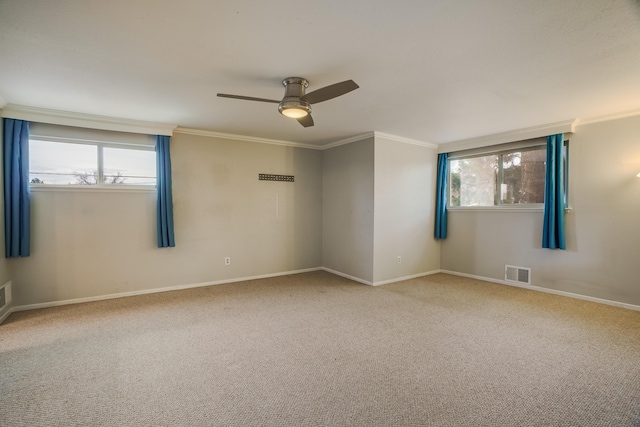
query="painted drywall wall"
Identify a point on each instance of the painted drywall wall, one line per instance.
(347, 209)
(603, 228)
(91, 243)
(405, 183)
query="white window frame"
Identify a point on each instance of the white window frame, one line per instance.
(101, 185)
(493, 150)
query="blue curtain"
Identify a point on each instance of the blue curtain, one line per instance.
(17, 216)
(553, 231)
(441, 196)
(165, 199)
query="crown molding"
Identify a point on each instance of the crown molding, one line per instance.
(376, 134)
(608, 117)
(212, 134)
(349, 140)
(67, 118)
(567, 126)
(355, 138)
(405, 140)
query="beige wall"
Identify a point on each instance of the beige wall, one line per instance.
(405, 183)
(378, 198)
(347, 209)
(87, 244)
(94, 243)
(603, 229)
(352, 208)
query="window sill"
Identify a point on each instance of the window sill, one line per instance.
(496, 209)
(530, 208)
(35, 188)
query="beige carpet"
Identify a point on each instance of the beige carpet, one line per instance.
(318, 350)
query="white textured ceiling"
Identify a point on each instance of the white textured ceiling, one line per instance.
(434, 71)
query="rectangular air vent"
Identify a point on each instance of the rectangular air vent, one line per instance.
(272, 177)
(517, 274)
(5, 295)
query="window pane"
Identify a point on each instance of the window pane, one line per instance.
(62, 163)
(129, 166)
(473, 181)
(523, 175)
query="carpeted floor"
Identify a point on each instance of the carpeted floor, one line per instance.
(315, 349)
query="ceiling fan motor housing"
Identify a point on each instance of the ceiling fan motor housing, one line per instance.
(294, 90)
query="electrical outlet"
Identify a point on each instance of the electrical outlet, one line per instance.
(399, 259)
(227, 260)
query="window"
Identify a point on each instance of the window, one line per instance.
(513, 177)
(55, 162)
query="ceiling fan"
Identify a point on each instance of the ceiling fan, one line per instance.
(296, 103)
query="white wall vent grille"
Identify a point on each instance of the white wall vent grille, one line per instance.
(517, 274)
(5, 295)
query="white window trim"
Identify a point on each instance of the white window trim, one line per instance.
(500, 150)
(131, 188)
(538, 207)
(114, 188)
(531, 207)
(111, 144)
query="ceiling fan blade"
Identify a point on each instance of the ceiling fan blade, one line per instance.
(247, 98)
(330, 92)
(306, 121)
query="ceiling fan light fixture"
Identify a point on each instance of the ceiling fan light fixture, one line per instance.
(294, 113)
(294, 109)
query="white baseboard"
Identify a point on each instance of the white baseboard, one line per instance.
(547, 290)
(198, 285)
(13, 309)
(347, 276)
(155, 290)
(413, 276)
(383, 282)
